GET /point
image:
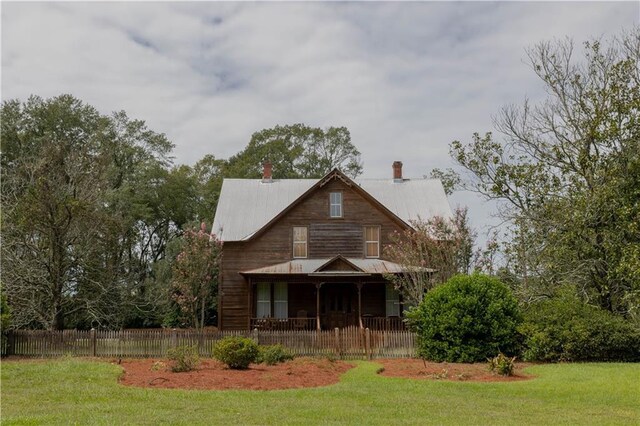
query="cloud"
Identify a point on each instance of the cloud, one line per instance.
(405, 78)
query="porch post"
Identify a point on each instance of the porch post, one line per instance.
(249, 303)
(359, 285)
(318, 285)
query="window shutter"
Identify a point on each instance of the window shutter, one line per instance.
(280, 300)
(393, 301)
(263, 308)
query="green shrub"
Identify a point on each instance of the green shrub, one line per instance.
(5, 321)
(467, 319)
(566, 329)
(274, 354)
(502, 364)
(185, 358)
(236, 352)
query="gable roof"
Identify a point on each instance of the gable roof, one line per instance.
(246, 206)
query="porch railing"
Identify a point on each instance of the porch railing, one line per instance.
(283, 323)
(372, 323)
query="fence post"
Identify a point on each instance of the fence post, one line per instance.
(11, 343)
(367, 343)
(255, 336)
(337, 333)
(174, 338)
(94, 342)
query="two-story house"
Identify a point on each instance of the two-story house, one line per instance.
(310, 253)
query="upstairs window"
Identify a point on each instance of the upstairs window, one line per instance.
(335, 204)
(299, 242)
(372, 241)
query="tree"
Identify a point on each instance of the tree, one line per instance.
(567, 173)
(430, 253)
(66, 222)
(195, 275)
(297, 151)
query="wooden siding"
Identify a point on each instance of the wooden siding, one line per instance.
(327, 237)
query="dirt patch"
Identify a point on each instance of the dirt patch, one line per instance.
(417, 369)
(299, 373)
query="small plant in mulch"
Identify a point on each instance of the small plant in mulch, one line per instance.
(158, 365)
(185, 358)
(236, 352)
(502, 364)
(331, 357)
(444, 374)
(273, 354)
(463, 376)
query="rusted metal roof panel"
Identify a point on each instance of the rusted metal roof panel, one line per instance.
(247, 205)
(311, 266)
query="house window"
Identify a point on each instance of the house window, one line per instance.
(263, 308)
(335, 204)
(276, 292)
(299, 242)
(392, 298)
(280, 300)
(372, 241)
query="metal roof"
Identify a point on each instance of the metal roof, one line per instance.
(247, 205)
(312, 266)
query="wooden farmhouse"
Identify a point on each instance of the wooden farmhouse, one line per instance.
(310, 253)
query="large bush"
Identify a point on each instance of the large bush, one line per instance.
(566, 329)
(467, 319)
(236, 352)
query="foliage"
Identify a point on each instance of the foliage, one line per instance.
(566, 329)
(195, 275)
(297, 151)
(185, 358)
(273, 354)
(502, 364)
(449, 178)
(5, 320)
(430, 253)
(236, 352)
(567, 173)
(77, 234)
(467, 319)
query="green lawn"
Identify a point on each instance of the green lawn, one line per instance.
(72, 391)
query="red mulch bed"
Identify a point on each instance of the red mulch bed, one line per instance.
(417, 369)
(211, 374)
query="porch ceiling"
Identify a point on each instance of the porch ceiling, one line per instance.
(314, 267)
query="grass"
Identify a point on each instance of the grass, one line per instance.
(74, 391)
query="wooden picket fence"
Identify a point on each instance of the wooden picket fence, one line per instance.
(343, 343)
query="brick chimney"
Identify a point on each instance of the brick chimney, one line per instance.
(266, 172)
(397, 171)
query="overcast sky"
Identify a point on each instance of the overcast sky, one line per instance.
(405, 78)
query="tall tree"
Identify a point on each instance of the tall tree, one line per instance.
(65, 168)
(297, 151)
(567, 173)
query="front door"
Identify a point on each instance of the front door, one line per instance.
(339, 305)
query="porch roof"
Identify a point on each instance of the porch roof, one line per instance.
(321, 267)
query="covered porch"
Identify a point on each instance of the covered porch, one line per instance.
(320, 294)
